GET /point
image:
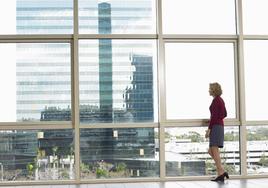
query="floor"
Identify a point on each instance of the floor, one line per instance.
(245, 183)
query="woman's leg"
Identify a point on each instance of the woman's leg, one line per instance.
(210, 153)
(217, 159)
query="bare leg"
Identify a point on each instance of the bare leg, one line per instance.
(210, 153)
(217, 159)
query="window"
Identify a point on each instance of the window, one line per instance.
(254, 17)
(117, 17)
(198, 17)
(257, 149)
(119, 153)
(36, 17)
(190, 67)
(255, 79)
(36, 78)
(111, 72)
(186, 151)
(117, 81)
(37, 155)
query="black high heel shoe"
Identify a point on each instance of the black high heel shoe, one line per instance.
(220, 178)
(226, 175)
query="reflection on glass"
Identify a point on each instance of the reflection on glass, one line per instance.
(43, 75)
(117, 81)
(37, 82)
(36, 17)
(257, 149)
(121, 16)
(36, 155)
(186, 152)
(190, 67)
(198, 17)
(256, 79)
(119, 153)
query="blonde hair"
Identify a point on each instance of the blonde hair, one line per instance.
(215, 89)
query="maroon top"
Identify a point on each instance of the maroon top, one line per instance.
(217, 112)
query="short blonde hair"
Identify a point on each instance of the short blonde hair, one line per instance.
(215, 89)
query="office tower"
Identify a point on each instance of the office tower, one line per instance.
(105, 64)
(139, 98)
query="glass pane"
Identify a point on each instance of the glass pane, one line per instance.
(186, 151)
(119, 153)
(190, 67)
(256, 67)
(36, 78)
(36, 17)
(117, 16)
(198, 17)
(257, 149)
(255, 17)
(28, 155)
(117, 81)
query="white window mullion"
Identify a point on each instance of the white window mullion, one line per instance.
(241, 78)
(161, 89)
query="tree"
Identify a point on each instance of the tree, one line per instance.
(230, 136)
(195, 137)
(263, 160)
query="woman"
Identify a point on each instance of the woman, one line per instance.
(215, 131)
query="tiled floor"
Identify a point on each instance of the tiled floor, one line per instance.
(245, 183)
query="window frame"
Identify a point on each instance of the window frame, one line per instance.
(162, 123)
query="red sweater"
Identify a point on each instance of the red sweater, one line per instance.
(217, 112)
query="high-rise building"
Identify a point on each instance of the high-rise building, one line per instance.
(105, 64)
(44, 88)
(43, 70)
(139, 98)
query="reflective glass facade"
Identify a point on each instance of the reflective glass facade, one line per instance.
(116, 89)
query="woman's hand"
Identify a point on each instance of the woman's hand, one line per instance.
(206, 121)
(207, 133)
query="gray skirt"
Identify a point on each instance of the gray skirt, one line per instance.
(216, 136)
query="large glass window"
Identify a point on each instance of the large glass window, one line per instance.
(36, 17)
(36, 81)
(117, 17)
(198, 17)
(186, 152)
(117, 81)
(254, 17)
(257, 149)
(113, 57)
(190, 67)
(27, 155)
(256, 67)
(119, 153)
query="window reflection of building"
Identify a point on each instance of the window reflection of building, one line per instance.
(46, 97)
(139, 98)
(17, 149)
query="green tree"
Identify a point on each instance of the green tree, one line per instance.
(230, 136)
(101, 173)
(263, 160)
(253, 136)
(30, 168)
(120, 167)
(195, 137)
